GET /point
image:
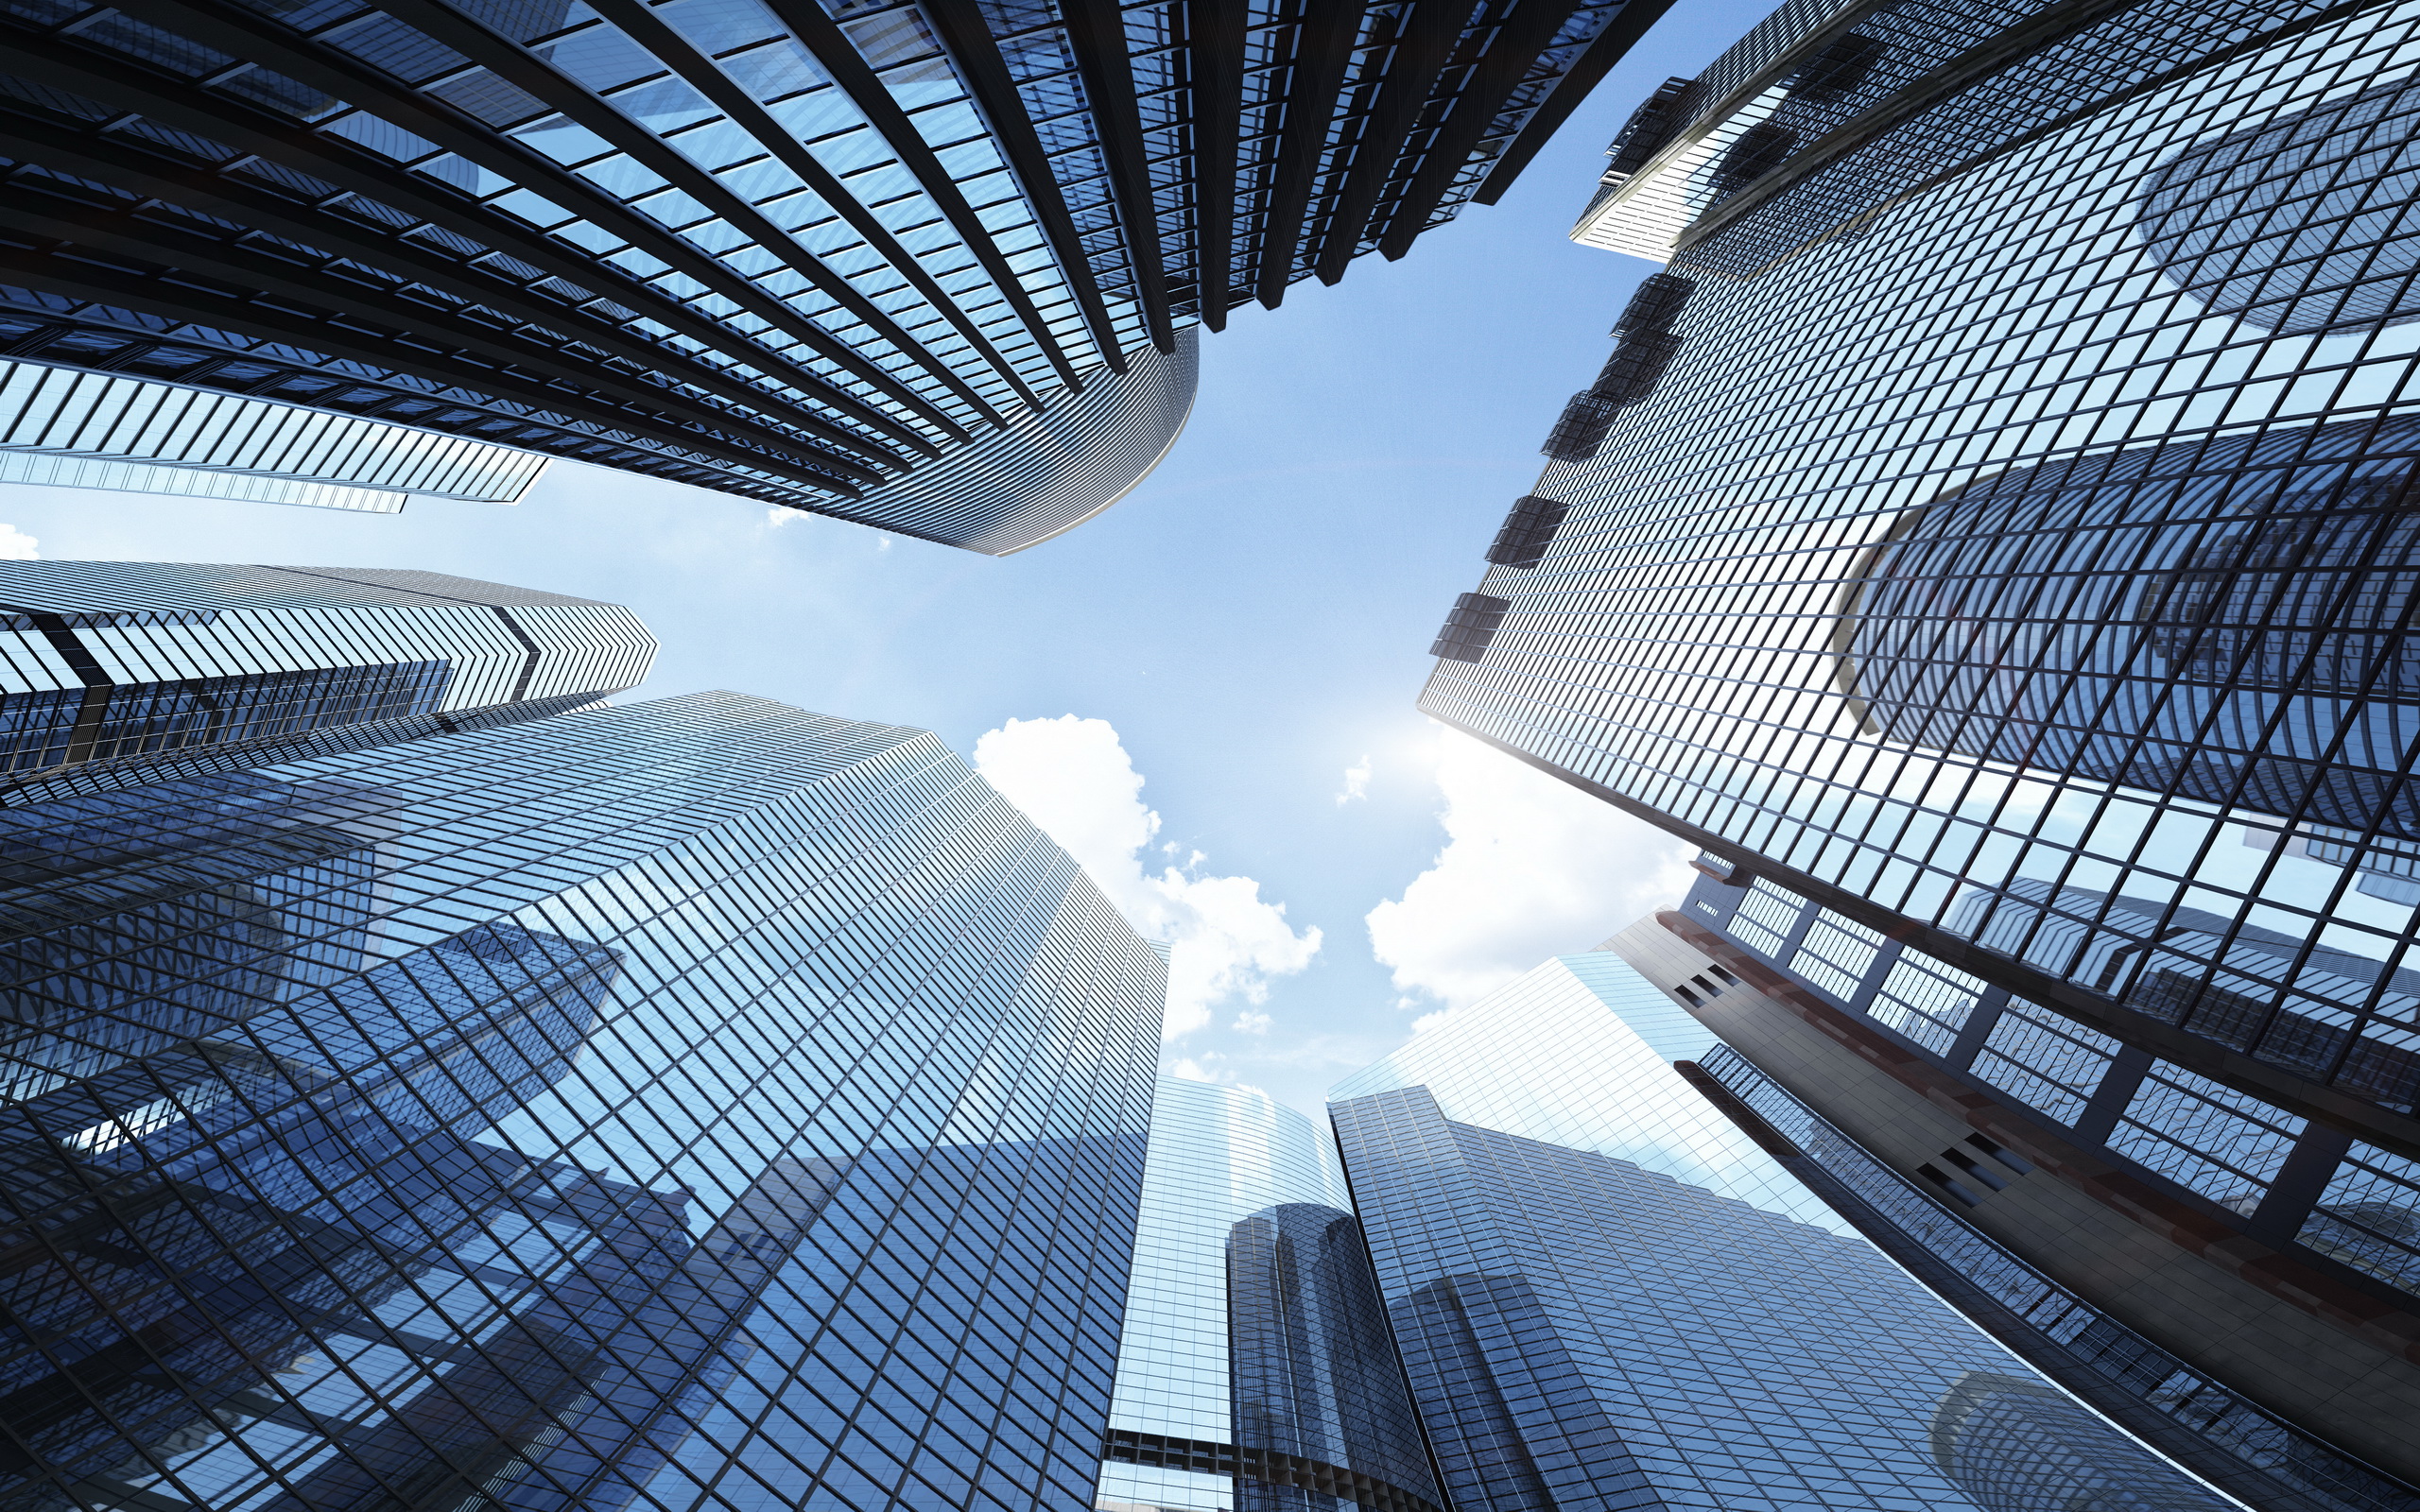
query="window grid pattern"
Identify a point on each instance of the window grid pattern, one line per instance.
(2368, 1217)
(1766, 917)
(1927, 1001)
(2049, 1063)
(2131, 1367)
(2205, 1137)
(696, 1104)
(117, 666)
(1836, 954)
(1695, 638)
(2199, 1134)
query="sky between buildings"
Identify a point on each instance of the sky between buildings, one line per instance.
(1244, 634)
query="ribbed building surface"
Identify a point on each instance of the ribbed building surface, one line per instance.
(791, 252)
(88, 430)
(113, 673)
(698, 1104)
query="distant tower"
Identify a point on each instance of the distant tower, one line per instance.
(1256, 1371)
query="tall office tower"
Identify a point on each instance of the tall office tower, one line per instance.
(122, 672)
(695, 1104)
(2226, 1278)
(1586, 1335)
(934, 268)
(1992, 526)
(1257, 1372)
(1580, 1052)
(91, 430)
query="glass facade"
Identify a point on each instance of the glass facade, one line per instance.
(1256, 1371)
(791, 252)
(88, 430)
(2011, 557)
(1579, 1053)
(693, 1104)
(113, 673)
(1583, 1333)
(2091, 1204)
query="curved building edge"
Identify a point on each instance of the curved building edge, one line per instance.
(1048, 470)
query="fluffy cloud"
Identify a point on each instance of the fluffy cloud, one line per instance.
(1073, 778)
(1532, 867)
(15, 546)
(1356, 783)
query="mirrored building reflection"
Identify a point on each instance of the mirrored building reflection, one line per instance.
(931, 268)
(1611, 1293)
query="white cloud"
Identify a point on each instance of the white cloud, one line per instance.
(1532, 867)
(1249, 1022)
(1356, 783)
(1073, 778)
(15, 546)
(777, 517)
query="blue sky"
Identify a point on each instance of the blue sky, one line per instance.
(1252, 623)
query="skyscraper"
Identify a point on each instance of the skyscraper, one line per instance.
(123, 672)
(693, 1104)
(1585, 1332)
(2228, 1280)
(1582, 1333)
(1995, 536)
(89, 430)
(789, 251)
(1579, 1052)
(1256, 1371)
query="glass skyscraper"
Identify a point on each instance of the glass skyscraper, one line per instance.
(790, 251)
(1586, 1335)
(122, 672)
(1991, 529)
(2229, 1279)
(1579, 1052)
(90, 430)
(1612, 1296)
(691, 1104)
(1256, 1371)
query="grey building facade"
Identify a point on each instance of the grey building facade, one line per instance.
(811, 254)
(693, 1104)
(116, 673)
